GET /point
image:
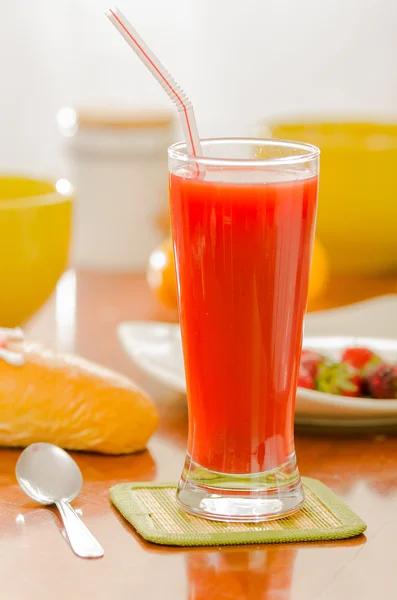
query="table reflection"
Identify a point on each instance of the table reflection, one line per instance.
(249, 574)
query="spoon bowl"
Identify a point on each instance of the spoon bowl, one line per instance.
(48, 474)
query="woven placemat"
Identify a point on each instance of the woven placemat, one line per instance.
(152, 510)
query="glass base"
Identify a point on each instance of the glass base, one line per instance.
(240, 498)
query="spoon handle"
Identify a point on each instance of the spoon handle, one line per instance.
(81, 539)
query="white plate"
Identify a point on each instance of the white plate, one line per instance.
(156, 349)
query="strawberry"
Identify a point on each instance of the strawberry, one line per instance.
(382, 381)
(360, 358)
(311, 360)
(339, 378)
(3, 341)
(305, 379)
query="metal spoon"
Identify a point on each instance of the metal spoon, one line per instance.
(49, 475)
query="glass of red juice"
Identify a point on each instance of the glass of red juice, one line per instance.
(243, 219)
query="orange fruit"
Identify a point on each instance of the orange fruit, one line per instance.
(161, 275)
(319, 274)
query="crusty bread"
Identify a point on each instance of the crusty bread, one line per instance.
(71, 402)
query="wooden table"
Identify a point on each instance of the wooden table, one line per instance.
(36, 563)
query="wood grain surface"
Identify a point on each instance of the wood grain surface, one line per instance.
(36, 562)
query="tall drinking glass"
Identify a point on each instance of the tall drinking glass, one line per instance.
(243, 219)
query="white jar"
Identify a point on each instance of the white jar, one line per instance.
(118, 165)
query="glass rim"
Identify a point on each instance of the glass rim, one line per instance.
(54, 195)
(309, 152)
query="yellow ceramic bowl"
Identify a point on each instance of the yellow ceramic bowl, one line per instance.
(35, 226)
(357, 216)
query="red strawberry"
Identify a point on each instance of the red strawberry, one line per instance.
(311, 360)
(305, 380)
(339, 378)
(360, 358)
(3, 341)
(382, 381)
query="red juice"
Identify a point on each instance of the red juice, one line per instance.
(243, 255)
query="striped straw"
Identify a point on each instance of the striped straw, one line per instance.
(167, 82)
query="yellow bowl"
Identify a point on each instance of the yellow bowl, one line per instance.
(35, 227)
(357, 214)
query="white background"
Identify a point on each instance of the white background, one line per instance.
(241, 61)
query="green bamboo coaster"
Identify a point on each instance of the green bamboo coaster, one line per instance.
(152, 510)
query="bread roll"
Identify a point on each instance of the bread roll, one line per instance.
(71, 402)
